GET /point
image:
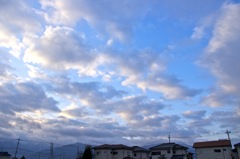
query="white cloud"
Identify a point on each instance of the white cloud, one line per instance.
(106, 16)
(221, 56)
(147, 70)
(17, 19)
(206, 23)
(61, 48)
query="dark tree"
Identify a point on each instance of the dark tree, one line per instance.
(23, 157)
(87, 154)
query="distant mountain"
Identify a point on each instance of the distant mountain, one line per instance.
(70, 151)
(41, 150)
(23, 148)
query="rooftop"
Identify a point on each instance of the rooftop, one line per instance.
(237, 145)
(168, 146)
(108, 146)
(217, 143)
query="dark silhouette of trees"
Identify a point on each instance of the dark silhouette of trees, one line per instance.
(23, 157)
(87, 154)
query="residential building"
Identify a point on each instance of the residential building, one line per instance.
(237, 147)
(107, 151)
(140, 153)
(169, 151)
(220, 149)
(4, 155)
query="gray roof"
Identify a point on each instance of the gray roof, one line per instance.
(178, 157)
(237, 145)
(168, 146)
(139, 149)
(114, 147)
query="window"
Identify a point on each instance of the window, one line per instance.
(135, 154)
(156, 153)
(114, 153)
(217, 150)
(174, 152)
(168, 151)
(98, 152)
(224, 149)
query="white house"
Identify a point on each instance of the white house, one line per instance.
(140, 153)
(107, 151)
(220, 149)
(237, 147)
(169, 151)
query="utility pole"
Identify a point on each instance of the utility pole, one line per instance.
(169, 138)
(78, 152)
(51, 150)
(228, 132)
(15, 155)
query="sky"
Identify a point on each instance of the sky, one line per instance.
(120, 72)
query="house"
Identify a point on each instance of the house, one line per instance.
(169, 151)
(4, 155)
(140, 153)
(237, 147)
(220, 149)
(107, 151)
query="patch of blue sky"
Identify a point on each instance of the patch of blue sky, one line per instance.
(158, 35)
(34, 4)
(150, 35)
(188, 72)
(88, 33)
(19, 67)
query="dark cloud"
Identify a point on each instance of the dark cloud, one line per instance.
(25, 97)
(94, 93)
(195, 114)
(227, 119)
(133, 107)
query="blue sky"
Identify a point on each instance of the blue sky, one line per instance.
(127, 72)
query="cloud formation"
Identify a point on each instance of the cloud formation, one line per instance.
(221, 56)
(126, 72)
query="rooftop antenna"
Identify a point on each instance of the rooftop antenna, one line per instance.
(169, 138)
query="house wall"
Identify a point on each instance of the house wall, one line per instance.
(140, 155)
(238, 151)
(169, 154)
(111, 154)
(213, 152)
